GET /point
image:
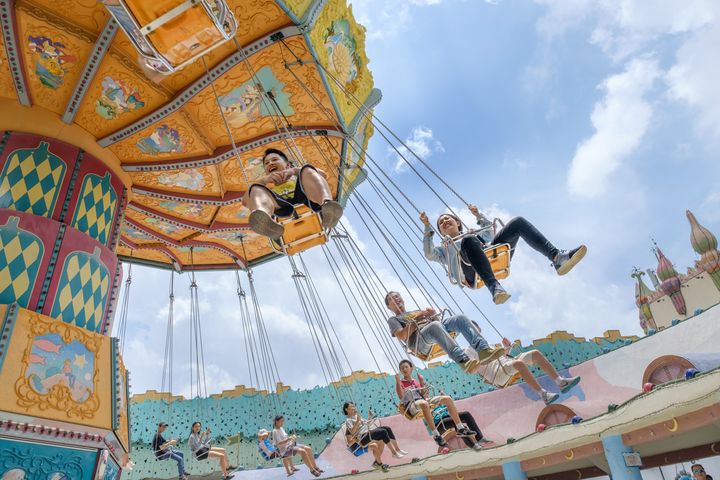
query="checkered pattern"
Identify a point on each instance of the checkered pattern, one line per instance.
(20, 257)
(96, 208)
(30, 180)
(82, 291)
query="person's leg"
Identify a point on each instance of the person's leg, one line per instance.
(435, 332)
(469, 420)
(381, 435)
(308, 451)
(564, 383)
(469, 330)
(518, 228)
(317, 191)
(262, 205)
(471, 248)
(393, 445)
(427, 413)
(522, 368)
(452, 409)
(179, 458)
(220, 457)
(448, 423)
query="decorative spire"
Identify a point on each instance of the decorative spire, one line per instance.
(671, 284)
(642, 294)
(705, 243)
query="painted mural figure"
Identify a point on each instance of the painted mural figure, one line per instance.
(283, 186)
(415, 400)
(51, 61)
(421, 329)
(247, 103)
(465, 258)
(361, 434)
(164, 139)
(342, 51)
(53, 362)
(117, 98)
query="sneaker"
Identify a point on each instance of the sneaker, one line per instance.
(499, 294)
(316, 473)
(263, 224)
(477, 447)
(567, 384)
(548, 397)
(566, 260)
(228, 476)
(440, 440)
(403, 452)
(465, 432)
(383, 466)
(489, 354)
(331, 212)
(397, 455)
(469, 365)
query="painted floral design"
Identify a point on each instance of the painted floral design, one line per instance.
(343, 60)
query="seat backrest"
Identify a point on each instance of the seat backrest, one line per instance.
(302, 231)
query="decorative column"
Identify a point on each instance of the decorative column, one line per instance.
(705, 243)
(614, 450)
(642, 300)
(671, 284)
(513, 471)
(60, 210)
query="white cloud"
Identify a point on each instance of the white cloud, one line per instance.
(422, 142)
(620, 121)
(695, 77)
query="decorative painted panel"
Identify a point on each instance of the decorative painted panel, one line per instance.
(7, 88)
(82, 291)
(21, 253)
(96, 207)
(29, 460)
(53, 371)
(30, 180)
(26, 245)
(107, 468)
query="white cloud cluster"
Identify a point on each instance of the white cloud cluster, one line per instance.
(620, 121)
(422, 142)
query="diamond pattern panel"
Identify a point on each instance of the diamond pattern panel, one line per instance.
(82, 291)
(30, 180)
(20, 257)
(96, 208)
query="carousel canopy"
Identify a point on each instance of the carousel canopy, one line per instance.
(186, 142)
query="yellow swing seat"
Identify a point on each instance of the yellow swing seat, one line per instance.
(303, 230)
(499, 257)
(173, 33)
(434, 352)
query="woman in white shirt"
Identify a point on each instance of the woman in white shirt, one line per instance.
(288, 446)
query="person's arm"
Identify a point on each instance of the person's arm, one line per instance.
(194, 442)
(421, 380)
(279, 442)
(398, 331)
(486, 230)
(398, 387)
(432, 253)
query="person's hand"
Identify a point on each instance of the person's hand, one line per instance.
(397, 377)
(506, 343)
(429, 312)
(424, 219)
(173, 441)
(474, 210)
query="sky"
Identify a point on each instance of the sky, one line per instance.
(599, 121)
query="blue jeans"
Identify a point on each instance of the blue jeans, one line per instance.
(437, 332)
(178, 457)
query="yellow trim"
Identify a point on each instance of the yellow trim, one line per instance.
(40, 121)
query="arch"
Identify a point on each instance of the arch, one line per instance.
(555, 414)
(666, 369)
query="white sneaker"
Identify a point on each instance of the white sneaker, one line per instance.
(402, 451)
(548, 397)
(397, 455)
(566, 384)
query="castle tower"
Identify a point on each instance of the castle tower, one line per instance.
(705, 244)
(642, 300)
(670, 282)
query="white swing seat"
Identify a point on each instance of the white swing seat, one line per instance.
(303, 230)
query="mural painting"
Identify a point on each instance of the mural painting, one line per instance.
(188, 179)
(30, 461)
(183, 209)
(134, 233)
(52, 63)
(164, 139)
(117, 97)
(245, 104)
(165, 227)
(343, 59)
(53, 362)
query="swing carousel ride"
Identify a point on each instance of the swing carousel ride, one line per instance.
(131, 132)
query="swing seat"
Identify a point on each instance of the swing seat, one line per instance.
(171, 34)
(303, 230)
(499, 257)
(407, 414)
(434, 352)
(496, 373)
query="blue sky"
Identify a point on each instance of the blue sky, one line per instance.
(597, 120)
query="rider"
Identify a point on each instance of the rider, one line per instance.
(290, 186)
(402, 326)
(412, 395)
(361, 433)
(471, 249)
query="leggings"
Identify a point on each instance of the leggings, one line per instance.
(471, 248)
(381, 433)
(465, 417)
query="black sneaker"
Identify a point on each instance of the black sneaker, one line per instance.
(498, 293)
(566, 260)
(465, 432)
(440, 440)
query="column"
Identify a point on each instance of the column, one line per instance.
(513, 471)
(614, 449)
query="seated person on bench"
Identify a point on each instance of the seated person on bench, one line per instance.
(413, 400)
(290, 186)
(471, 249)
(402, 326)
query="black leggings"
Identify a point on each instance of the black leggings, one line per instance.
(381, 433)
(471, 248)
(465, 417)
